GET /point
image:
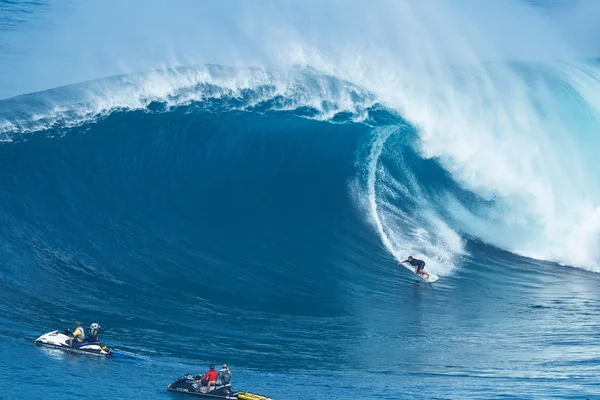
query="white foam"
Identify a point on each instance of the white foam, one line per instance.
(416, 230)
(521, 149)
(523, 136)
(72, 106)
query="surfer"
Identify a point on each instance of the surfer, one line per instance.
(418, 264)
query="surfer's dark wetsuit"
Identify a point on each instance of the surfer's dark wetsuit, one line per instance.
(420, 264)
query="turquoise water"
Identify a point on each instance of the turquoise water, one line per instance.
(211, 214)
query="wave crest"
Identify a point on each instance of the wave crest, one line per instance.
(323, 96)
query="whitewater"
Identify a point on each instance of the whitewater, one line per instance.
(239, 191)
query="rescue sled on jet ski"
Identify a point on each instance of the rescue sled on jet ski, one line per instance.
(90, 345)
(188, 384)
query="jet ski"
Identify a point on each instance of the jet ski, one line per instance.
(188, 384)
(90, 345)
(61, 340)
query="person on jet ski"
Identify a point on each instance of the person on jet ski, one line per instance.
(93, 331)
(224, 375)
(77, 334)
(210, 378)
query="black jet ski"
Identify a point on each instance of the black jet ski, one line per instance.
(188, 384)
(90, 345)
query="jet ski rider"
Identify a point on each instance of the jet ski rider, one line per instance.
(93, 331)
(210, 378)
(225, 375)
(77, 334)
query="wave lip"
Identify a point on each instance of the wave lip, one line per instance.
(241, 88)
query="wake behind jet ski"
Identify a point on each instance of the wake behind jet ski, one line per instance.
(196, 385)
(79, 344)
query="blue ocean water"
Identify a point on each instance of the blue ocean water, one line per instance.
(255, 216)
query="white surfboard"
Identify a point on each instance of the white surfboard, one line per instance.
(432, 277)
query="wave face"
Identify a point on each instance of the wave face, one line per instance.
(498, 138)
(255, 217)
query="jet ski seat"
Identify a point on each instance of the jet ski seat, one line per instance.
(77, 344)
(216, 386)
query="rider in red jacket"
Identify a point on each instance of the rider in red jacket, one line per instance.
(210, 377)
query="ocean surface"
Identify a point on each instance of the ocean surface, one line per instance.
(255, 216)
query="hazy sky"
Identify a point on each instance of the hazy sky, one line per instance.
(48, 43)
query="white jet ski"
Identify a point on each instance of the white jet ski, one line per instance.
(90, 345)
(61, 340)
